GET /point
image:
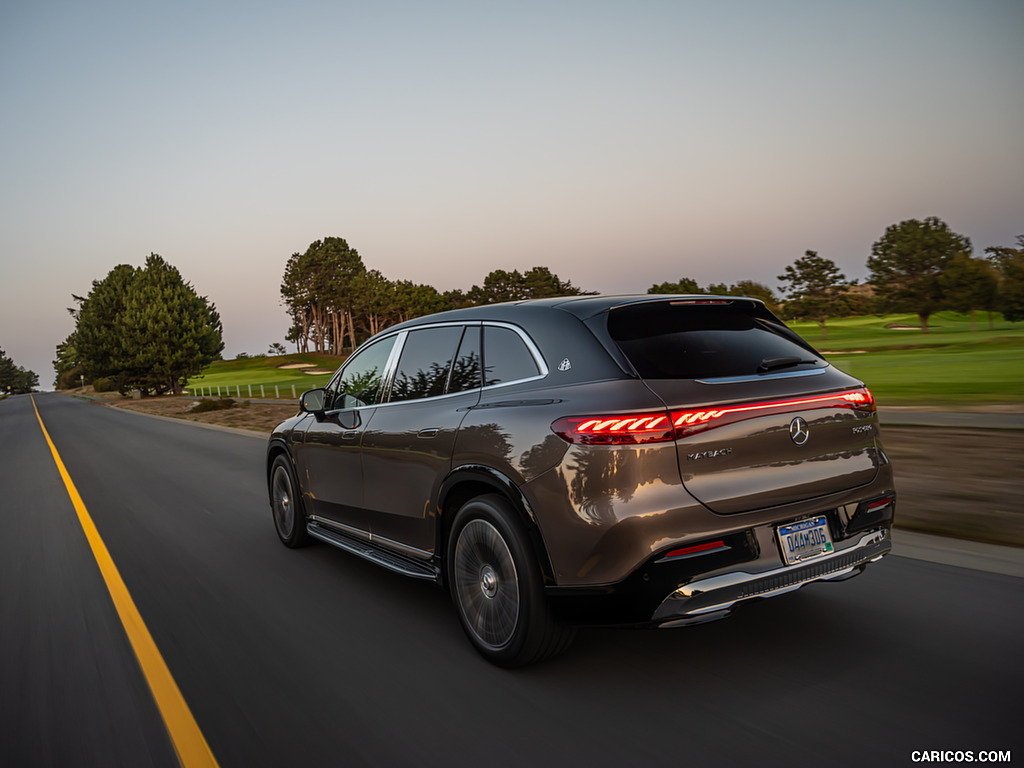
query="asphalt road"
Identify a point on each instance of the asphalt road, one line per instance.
(315, 658)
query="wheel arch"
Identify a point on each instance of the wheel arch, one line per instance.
(470, 481)
(275, 448)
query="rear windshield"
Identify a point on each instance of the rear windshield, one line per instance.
(675, 340)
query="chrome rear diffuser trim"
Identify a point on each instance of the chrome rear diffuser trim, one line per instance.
(712, 598)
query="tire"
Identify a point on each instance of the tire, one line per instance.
(286, 504)
(496, 586)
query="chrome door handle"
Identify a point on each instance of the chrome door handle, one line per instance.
(430, 432)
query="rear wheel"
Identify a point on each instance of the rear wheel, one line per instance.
(289, 519)
(496, 586)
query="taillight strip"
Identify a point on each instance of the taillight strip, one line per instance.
(687, 418)
(623, 429)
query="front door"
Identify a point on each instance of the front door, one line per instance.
(330, 452)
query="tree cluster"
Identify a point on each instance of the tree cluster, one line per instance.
(923, 266)
(335, 302)
(750, 288)
(15, 380)
(916, 266)
(1009, 290)
(140, 328)
(816, 289)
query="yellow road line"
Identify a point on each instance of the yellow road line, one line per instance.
(188, 740)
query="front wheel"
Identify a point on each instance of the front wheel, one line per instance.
(496, 586)
(289, 519)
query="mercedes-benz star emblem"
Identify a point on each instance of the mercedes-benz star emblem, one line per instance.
(799, 431)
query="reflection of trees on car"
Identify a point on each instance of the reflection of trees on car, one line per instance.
(465, 373)
(424, 383)
(362, 388)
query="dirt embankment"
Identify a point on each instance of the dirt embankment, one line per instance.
(966, 483)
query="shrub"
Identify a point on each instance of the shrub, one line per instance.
(207, 404)
(104, 384)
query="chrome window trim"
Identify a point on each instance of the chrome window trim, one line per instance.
(762, 376)
(385, 376)
(391, 366)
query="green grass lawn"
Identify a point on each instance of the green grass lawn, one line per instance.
(265, 371)
(950, 366)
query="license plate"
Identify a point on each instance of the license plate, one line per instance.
(804, 540)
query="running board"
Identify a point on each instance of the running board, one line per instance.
(387, 558)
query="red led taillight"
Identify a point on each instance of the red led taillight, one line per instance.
(657, 426)
(690, 422)
(623, 429)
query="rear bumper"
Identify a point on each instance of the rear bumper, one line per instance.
(703, 587)
(713, 598)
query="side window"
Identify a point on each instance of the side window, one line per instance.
(506, 357)
(360, 380)
(466, 371)
(423, 368)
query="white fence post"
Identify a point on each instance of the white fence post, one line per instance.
(218, 390)
(294, 396)
(277, 392)
(263, 395)
(250, 391)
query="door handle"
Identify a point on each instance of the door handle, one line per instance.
(429, 432)
(351, 434)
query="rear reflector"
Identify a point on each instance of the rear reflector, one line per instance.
(874, 506)
(659, 426)
(697, 548)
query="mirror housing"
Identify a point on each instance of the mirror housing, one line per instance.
(313, 401)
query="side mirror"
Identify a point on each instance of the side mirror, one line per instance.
(313, 401)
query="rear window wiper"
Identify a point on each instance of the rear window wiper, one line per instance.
(774, 363)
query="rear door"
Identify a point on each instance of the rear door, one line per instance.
(407, 445)
(763, 420)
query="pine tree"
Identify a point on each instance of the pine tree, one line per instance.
(815, 288)
(146, 329)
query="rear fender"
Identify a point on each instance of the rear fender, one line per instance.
(472, 480)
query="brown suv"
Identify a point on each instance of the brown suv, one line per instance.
(643, 460)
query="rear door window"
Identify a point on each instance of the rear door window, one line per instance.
(678, 340)
(425, 362)
(467, 369)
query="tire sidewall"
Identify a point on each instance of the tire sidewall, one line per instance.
(496, 511)
(298, 536)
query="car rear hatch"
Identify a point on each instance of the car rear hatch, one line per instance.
(760, 418)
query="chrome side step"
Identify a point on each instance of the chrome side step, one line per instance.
(393, 561)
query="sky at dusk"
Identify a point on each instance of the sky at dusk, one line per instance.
(619, 144)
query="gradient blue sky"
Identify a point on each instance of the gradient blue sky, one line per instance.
(620, 144)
